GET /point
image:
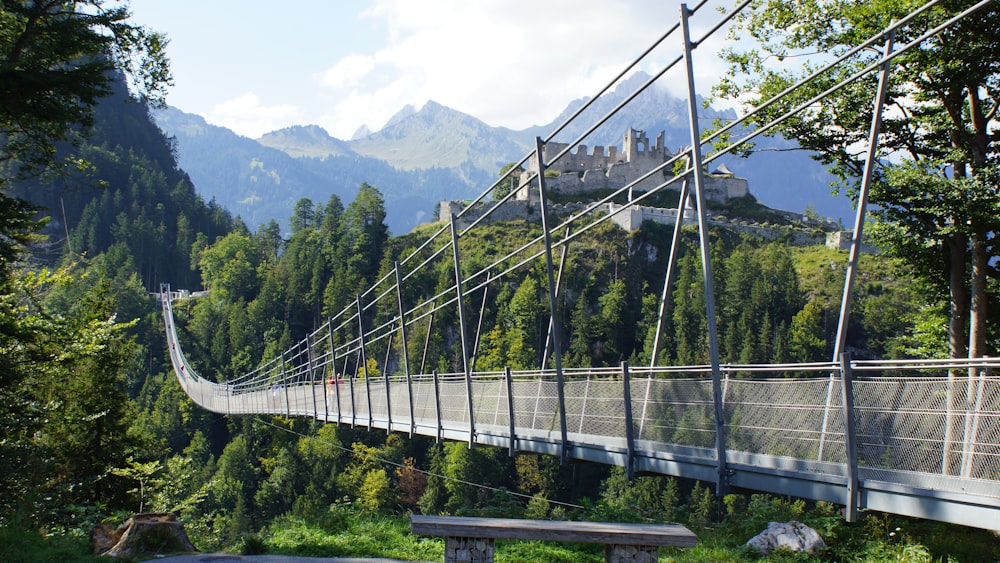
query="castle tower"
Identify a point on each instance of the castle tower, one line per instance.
(634, 144)
(661, 146)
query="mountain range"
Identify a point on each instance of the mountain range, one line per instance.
(421, 157)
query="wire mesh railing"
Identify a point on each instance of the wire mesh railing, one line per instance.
(902, 421)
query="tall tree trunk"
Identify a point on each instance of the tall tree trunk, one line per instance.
(957, 257)
(977, 348)
(977, 309)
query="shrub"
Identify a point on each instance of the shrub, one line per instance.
(251, 544)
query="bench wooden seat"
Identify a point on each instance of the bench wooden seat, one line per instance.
(471, 540)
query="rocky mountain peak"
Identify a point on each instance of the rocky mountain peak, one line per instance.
(304, 132)
(400, 115)
(305, 140)
(361, 133)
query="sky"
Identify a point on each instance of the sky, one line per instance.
(255, 66)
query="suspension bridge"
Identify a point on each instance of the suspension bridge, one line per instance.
(912, 437)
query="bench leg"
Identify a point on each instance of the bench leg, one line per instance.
(614, 553)
(468, 550)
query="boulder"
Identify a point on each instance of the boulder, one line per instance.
(158, 532)
(794, 536)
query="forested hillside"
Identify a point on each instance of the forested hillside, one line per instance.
(131, 202)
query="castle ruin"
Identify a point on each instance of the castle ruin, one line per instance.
(582, 172)
(604, 168)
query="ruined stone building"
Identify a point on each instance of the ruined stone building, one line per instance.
(584, 172)
(604, 168)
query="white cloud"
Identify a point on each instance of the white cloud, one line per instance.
(511, 63)
(349, 72)
(246, 115)
(514, 63)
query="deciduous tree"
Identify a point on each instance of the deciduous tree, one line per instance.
(57, 59)
(943, 201)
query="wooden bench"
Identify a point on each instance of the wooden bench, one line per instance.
(471, 540)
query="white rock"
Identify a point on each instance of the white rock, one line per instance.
(793, 535)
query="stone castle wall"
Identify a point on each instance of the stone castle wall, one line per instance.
(631, 218)
(842, 240)
(588, 170)
(718, 188)
(628, 218)
(635, 149)
(608, 169)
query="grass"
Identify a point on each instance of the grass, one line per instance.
(346, 531)
(349, 532)
(21, 545)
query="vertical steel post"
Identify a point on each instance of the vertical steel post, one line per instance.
(850, 438)
(282, 388)
(312, 375)
(336, 385)
(479, 325)
(512, 440)
(364, 360)
(437, 407)
(721, 484)
(385, 378)
(354, 403)
(553, 303)
(333, 369)
(263, 394)
(402, 340)
(629, 430)
(668, 280)
(427, 342)
(331, 361)
(859, 222)
(461, 326)
(562, 264)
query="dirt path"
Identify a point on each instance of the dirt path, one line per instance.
(230, 558)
